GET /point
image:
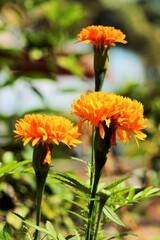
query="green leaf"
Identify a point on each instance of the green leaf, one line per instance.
(9, 167)
(82, 206)
(81, 160)
(150, 191)
(131, 194)
(60, 237)
(7, 233)
(77, 234)
(122, 191)
(122, 235)
(29, 223)
(51, 229)
(146, 193)
(73, 181)
(116, 183)
(79, 216)
(110, 214)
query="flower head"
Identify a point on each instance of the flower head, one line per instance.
(47, 130)
(122, 115)
(101, 36)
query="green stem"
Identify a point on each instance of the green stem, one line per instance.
(97, 176)
(92, 158)
(99, 79)
(101, 205)
(41, 172)
(100, 159)
(101, 59)
(101, 149)
(40, 184)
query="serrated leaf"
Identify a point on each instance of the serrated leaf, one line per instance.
(116, 183)
(152, 192)
(8, 168)
(51, 229)
(146, 190)
(7, 232)
(146, 193)
(73, 181)
(149, 191)
(110, 214)
(121, 191)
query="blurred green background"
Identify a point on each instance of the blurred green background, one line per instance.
(43, 69)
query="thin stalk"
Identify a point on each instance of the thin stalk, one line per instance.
(101, 205)
(101, 59)
(97, 176)
(40, 184)
(92, 158)
(99, 79)
(92, 176)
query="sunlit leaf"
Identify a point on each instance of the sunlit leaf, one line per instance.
(73, 181)
(146, 193)
(131, 194)
(9, 167)
(116, 183)
(51, 229)
(110, 214)
(60, 237)
(150, 191)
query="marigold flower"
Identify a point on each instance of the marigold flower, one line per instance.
(123, 115)
(101, 36)
(48, 130)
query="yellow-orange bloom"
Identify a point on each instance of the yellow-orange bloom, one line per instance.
(45, 129)
(101, 36)
(123, 115)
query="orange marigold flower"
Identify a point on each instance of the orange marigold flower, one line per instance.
(41, 128)
(123, 115)
(101, 36)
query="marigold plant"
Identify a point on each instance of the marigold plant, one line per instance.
(102, 37)
(123, 115)
(43, 131)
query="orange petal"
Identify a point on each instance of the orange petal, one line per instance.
(48, 158)
(101, 131)
(35, 141)
(26, 141)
